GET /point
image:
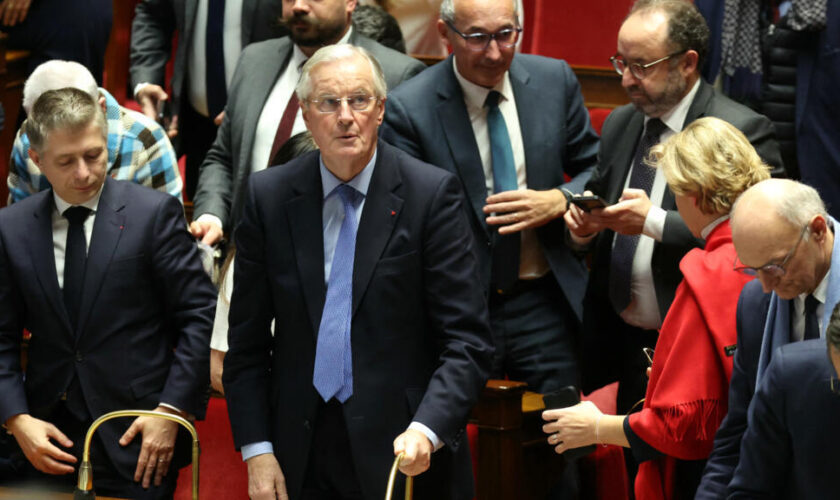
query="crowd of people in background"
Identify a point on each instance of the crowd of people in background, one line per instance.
(420, 230)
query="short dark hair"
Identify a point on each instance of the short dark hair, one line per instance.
(297, 145)
(377, 24)
(687, 29)
(832, 331)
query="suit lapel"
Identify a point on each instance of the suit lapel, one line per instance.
(700, 104)
(532, 125)
(305, 215)
(190, 8)
(107, 229)
(624, 151)
(381, 211)
(263, 82)
(247, 20)
(452, 112)
(40, 241)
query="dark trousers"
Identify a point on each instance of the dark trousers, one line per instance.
(534, 334)
(196, 134)
(107, 481)
(330, 474)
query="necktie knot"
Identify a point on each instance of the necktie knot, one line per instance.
(493, 99)
(811, 304)
(348, 194)
(654, 128)
(77, 215)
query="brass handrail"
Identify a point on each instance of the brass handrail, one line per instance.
(392, 478)
(84, 487)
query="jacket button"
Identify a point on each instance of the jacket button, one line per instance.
(79, 356)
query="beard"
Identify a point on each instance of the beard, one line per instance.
(307, 31)
(670, 96)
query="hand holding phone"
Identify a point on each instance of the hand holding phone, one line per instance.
(564, 398)
(588, 203)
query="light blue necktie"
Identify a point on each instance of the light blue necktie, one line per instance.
(333, 375)
(505, 255)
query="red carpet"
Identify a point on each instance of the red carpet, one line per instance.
(222, 472)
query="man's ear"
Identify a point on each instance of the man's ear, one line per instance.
(818, 227)
(443, 30)
(690, 61)
(102, 104)
(36, 159)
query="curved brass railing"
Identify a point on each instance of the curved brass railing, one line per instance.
(392, 478)
(84, 487)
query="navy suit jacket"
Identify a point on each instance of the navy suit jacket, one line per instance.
(602, 352)
(750, 319)
(420, 334)
(427, 117)
(790, 446)
(144, 321)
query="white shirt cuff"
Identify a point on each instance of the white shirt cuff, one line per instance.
(210, 218)
(254, 449)
(436, 442)
(139, 87)
(655, 223)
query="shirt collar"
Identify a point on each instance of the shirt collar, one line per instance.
(475, 95)
(675, 118)
(711, 227)
(820, 292)
(92, 203)
(360, 183)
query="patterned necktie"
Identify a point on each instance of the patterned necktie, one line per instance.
(624, 249)
(812, 325)
(333, 375)
(505, 258)
(75, 258)
(215, 57)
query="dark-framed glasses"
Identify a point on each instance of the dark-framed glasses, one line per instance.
(480, 41)
(638, 70)
(774, 270)
(331, 104)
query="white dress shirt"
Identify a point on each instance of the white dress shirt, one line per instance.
(643, 310)
(197, 60)
(532, 262)
(798, 324)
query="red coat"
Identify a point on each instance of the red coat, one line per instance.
(686, 397)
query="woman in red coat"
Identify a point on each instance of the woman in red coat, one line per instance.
(707, 166)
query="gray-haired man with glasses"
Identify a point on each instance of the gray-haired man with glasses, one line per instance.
(785, 238)
(639, 239)
(790, 441)
(510, 126)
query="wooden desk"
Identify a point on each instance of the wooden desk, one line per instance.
(17, 494)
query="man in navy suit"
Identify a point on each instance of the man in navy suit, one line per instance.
(363, 255)
(783, 235)
(108, 281)
(511, 127)
(790, 447)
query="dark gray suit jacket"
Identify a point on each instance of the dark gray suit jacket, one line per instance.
(603, 355)
(223, 175)
(156, 20)
(427, 118)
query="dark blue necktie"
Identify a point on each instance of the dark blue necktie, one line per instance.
(812, 325)
(215, 57)
(333, 374)
(505, 258)
(624, 249)
(75, 258)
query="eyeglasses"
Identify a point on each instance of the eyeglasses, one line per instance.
(774, 270)
(480, 41)
(638, 70)
(331, 104)
(834, 385)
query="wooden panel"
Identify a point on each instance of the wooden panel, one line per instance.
(12, 76)
(601, 87)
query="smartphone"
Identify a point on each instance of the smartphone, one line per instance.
(589, 202)
(563, 398)
(164, 113)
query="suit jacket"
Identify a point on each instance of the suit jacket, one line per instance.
(222, 178)
(154, 23)
(790, 446)
(619, 137)
(144, 322)
(420, 336)
(427, 118)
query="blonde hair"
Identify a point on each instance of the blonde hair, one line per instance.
(710, 160)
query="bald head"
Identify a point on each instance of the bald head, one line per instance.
(782, 226)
